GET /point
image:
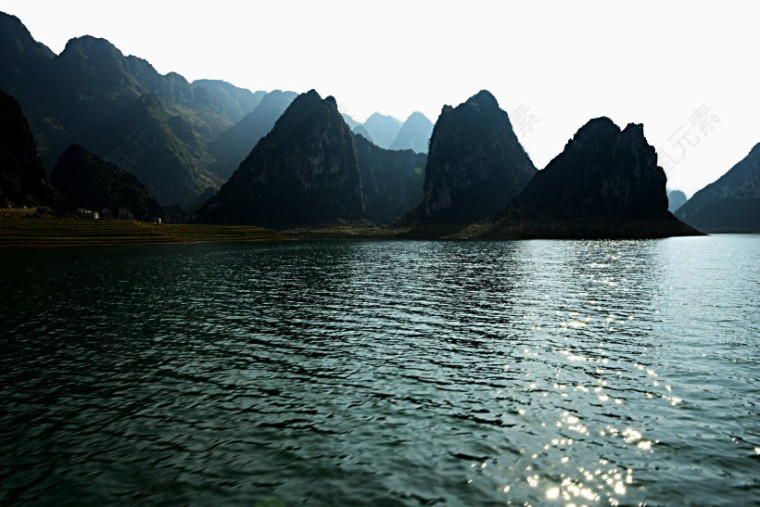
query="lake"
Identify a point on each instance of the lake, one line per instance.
(385, 373)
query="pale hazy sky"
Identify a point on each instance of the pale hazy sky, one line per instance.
(687, 70)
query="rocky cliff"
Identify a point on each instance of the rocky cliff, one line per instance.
(475, 166)
(233, 145)
(605, 184)
(304, 172)
(23, 182)
(391, 179)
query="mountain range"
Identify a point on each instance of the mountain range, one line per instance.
(312, 170)
(110, 124)
(389, 133)
(165, 124)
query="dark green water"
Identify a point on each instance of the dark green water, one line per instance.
(382, 373)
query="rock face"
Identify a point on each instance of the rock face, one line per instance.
(414, 134)
(87, 181)
(162, 151)
(605, 184)
(304, 172)
(676, 199)
(392, 180)
(382, 129)
(475, 165)
(75, 94)
(730, 204)
(233, 145)
(23, 182)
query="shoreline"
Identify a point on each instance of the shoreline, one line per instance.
(72, 232)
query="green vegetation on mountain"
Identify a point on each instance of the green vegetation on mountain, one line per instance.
(392, 180)
(140, 139)
(87, 181)
(304, 171)
(232, 146)
(75, 96)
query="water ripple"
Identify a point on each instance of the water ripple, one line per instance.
(387, 372)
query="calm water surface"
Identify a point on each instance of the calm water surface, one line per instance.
(382, 373)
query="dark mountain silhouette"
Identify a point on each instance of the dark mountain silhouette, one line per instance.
(233, 145)
(304, 172)
(160, 150)
(76, 94)
(605, 184)
(87, 181)
(414, 134)
(21, 57)
(475, 166)
(676, 199)
(23, 182)
(730, 204)
(392, 180)
(382, 129)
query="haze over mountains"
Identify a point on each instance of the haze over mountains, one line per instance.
(730, 204)
(676, 199)
(389, 133)
(284, 160)
(312, 170)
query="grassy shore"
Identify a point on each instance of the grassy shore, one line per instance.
(23, 232)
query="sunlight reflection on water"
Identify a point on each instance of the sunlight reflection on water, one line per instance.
(410, 372)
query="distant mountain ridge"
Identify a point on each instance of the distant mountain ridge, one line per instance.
(676, 199)
(731, 203)
(415, 134)
(382, 129)
(311, 170)
(232, 146)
